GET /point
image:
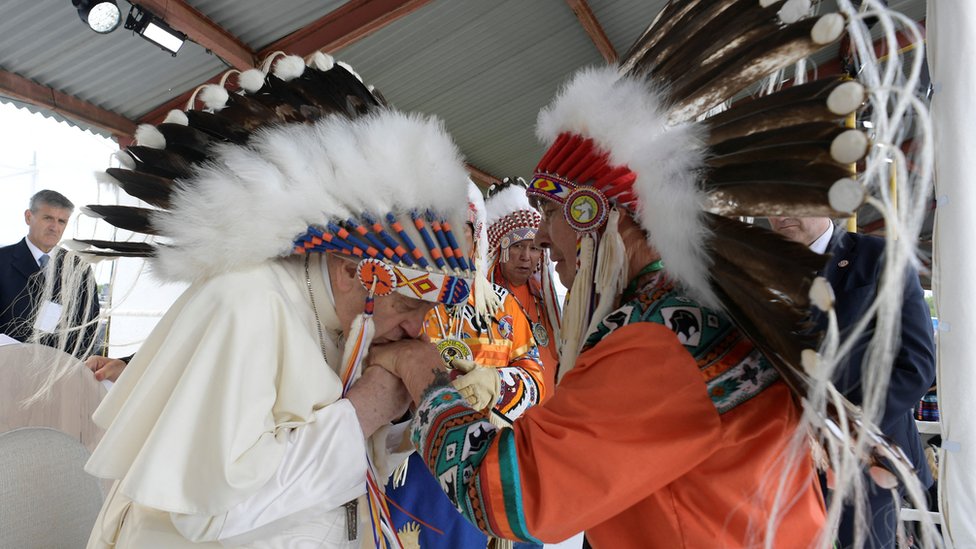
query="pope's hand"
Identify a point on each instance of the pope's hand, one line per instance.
(480, 385)
(378, 398)
(414, 361)
(403, 357)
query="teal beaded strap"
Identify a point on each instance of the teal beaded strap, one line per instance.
(648, 269)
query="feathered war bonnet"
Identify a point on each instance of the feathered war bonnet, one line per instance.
(300, 159)
(640, 139)
(296, 160)
(624, 140)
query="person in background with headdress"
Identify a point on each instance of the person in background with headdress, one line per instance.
(311, 221)
(488, 343)
(517, 264)
(684, 353)
(31, 300)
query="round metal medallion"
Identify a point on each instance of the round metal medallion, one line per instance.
(540, 334)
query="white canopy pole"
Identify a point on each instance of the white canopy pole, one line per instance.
(951, 41)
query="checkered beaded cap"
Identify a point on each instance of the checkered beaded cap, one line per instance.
(511, 218)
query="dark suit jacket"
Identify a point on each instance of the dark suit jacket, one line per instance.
(20, 286)
(853, 271)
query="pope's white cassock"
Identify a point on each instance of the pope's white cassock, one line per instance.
(229, 428)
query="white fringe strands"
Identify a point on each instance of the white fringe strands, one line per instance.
(75, 319)
(549, 297)
(901, 197)
(576, 315)
(611, 270)
(486, 302)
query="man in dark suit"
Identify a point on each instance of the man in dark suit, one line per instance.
(853, 271)
(23, 270)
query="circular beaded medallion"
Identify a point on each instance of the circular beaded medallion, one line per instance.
(586, 209)
(376, 275)
(452, 349)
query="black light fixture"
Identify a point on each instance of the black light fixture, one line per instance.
(154, 29)
(103, 16)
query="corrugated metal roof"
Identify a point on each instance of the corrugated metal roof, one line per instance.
(258, 23)
(46, 42)
(485, 67)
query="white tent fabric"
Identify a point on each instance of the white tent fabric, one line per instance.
(952, 47)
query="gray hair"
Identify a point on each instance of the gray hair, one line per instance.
(50, 198)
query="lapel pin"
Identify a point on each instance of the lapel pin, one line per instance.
(843, 263)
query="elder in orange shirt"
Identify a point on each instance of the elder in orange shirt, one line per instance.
(517, 264)
(669, 427)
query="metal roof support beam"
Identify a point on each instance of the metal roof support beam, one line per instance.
(203, 31)
(352, 22)
(23, 89)
(593, 29)
(480, 177)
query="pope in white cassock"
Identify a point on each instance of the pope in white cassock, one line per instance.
(310, 220)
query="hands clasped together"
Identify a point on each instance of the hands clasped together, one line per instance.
(418, 365)
(399, 372)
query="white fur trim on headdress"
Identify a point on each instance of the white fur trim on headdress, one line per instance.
(628, 118)
(214, 97)
(176, 116)
(148, 136)
(508, 200)
(321, 61)
(485, 299)
(251, 80)
(252, 201)
(476, 205)
(289, 67)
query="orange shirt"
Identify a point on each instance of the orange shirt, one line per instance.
(547, 353)
(642, 446)
(505, 343)
(632, 450)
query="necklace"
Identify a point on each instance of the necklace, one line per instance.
(352, 514)
(315, 311)
(451, 346)
(539, 332)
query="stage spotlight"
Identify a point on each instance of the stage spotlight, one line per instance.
(102, 16)
(154, 29)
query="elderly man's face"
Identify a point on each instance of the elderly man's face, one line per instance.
(800, 229)
(556, 235)
(523, 260)
(395, 316)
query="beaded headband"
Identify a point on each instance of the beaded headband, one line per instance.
(406, 268)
